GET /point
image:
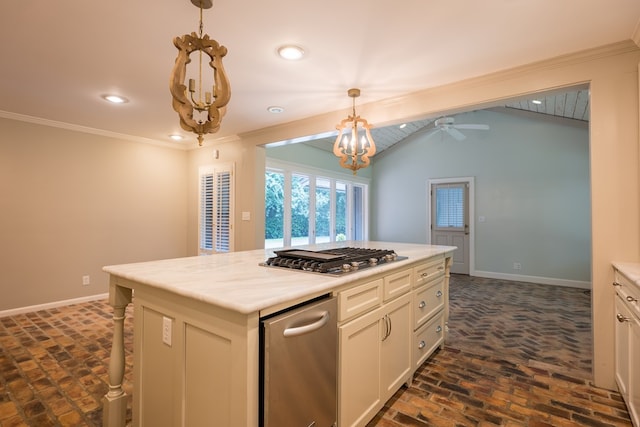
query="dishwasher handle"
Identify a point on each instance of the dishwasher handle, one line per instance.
(300, 330)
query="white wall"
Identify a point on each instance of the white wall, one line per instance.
(531, 185)
(72, 202)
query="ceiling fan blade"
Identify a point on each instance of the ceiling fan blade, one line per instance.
(455, 133)
(471, 126)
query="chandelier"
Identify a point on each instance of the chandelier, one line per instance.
(209, 105)
(354, 144)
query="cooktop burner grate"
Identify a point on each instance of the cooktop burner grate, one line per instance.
(331, 261)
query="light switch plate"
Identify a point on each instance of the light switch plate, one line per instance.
(167, 322)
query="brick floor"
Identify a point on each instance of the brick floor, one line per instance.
(517, 354)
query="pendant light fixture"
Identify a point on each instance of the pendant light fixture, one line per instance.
(354, 144)
(208, 95)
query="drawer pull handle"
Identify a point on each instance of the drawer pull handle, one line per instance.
(424, 274)
(441, 268)
(621, 318)
(422, 304)
(422, 345)
(439, 329)
(617, 284)
(387, 327)
(632, 299)
(439, 294)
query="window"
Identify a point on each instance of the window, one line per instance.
(300, 198)
(216, 209)
(274, 208)
(323, 210)
(307, 207)
(449, 206)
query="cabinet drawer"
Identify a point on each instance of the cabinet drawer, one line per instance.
(427, 339)
(629, 292)
(397, 284)
(428, 300)
(359, 299)
(427, 271)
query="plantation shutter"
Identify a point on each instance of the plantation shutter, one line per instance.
(216, 209)
(206, 211)
(223, 211)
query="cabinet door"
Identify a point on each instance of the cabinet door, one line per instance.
(622, 323)
(358, 372)
(395, 348)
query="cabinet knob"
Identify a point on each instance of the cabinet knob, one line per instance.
(422, 345)
(439, 294)
(632, 299)
(617, 284)
(423, 275)
(439, 329)
(621, 318)
(422, 304)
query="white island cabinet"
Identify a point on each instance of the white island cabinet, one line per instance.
(627, 336)
(196, 331)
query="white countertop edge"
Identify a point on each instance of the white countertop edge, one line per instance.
(631, 270)
(236, 282)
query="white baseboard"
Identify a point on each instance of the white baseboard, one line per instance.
(534, 279)
(31, 308)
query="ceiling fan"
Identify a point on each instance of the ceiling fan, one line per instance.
(447, 124)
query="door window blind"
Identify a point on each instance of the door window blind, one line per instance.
(450, 206)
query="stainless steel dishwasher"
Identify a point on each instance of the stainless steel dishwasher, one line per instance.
(298, 376)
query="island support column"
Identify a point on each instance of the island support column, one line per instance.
(114, 403)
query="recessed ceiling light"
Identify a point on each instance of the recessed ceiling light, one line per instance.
(290, 52)
(537, 101)
(176, 137)
(115, 99)
(402, 126)
(275, 109)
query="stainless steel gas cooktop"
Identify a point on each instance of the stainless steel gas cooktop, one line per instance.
(331, 261)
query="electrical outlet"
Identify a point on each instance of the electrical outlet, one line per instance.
(86, 280)
(517, 266)
(166, 330)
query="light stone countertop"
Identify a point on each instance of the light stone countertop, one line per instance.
(237, 282)
(630, 269)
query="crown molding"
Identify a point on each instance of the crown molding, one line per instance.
(88, 130)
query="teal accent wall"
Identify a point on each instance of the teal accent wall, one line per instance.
(531, 186)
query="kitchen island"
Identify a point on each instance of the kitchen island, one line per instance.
(196, 327)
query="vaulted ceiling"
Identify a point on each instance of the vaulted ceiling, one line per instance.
(59, 57)
(571, 104)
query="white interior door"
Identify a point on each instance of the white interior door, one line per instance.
(450, 220)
